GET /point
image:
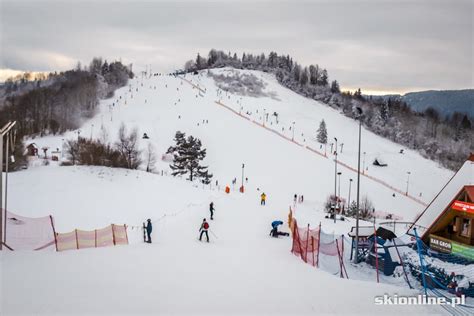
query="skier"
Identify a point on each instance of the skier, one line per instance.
(263, 198)
(203, 229)
(295, 197)
(149, 229)
(211, 209)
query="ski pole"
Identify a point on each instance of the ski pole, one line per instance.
(213, 233)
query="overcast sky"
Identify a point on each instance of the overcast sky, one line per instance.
(377, 45)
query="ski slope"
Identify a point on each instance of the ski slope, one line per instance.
(242, 271)
(161, 105)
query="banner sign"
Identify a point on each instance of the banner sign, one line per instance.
(447, 246)
(463, 206)
(440, 245)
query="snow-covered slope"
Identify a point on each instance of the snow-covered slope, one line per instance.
(242, 270)
(161, 105)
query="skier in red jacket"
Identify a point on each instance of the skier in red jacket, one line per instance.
(203, 229)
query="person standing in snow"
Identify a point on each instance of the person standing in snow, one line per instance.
(203, 229)
(263, 198)
(149, 229)
(295, 197)
(211, 209)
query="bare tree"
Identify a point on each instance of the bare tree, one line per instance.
(150, 158)
(127, 145)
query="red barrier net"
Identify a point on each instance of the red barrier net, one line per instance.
(80, 239)
(310, 244)
(27, 233)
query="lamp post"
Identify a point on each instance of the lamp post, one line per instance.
(293, 137)
(356, 257)
(408, 181)
(349, 197)
(335, 179)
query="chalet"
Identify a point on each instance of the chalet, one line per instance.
(32, 150)
(447, 224)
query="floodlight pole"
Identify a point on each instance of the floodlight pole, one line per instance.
(356, 257)
(3, 212)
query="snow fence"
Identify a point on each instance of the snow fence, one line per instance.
(111, 235)
(316, 248)
(27, 233)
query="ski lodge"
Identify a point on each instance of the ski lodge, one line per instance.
(447, 224)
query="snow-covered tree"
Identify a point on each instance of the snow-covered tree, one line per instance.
(335, 87)
(188, 153)
(322, 135)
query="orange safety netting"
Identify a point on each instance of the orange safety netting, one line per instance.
(309, 244)
(104, 237)
(26, 233)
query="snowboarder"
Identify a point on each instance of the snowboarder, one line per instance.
(211, 209)
(263, 198)
(203, 229)
(274, 232)
(149, 229)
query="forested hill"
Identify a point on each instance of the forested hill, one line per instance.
(446, 139)
(446, 102)
(59, 102)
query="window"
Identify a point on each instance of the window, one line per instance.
(466, 227)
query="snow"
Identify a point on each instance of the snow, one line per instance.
(243, 270)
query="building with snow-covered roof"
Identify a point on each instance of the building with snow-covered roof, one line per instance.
(447, 224)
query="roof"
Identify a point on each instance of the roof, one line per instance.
(463, 178)
(364, 231)
(470, 191)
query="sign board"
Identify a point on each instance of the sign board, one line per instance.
(447, 246)
(439, 244)
(463, 206)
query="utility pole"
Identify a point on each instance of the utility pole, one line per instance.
(335, 180)
(356, 257)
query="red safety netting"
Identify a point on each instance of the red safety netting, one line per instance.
(310, 244)
(104, 237)
(26, 233)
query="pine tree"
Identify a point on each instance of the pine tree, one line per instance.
(199, 62)
(324, 78)
(384, 112)
(322, 133)
(304, 77)
(335, 87)
(188, 153)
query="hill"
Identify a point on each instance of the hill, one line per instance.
(446, 102)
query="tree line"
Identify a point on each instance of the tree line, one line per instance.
(60, 101)
(447, 140)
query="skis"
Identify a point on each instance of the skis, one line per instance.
(144, 232)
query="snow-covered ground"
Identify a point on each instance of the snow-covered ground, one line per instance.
(242, 270)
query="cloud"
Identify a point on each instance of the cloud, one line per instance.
(399, 45)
